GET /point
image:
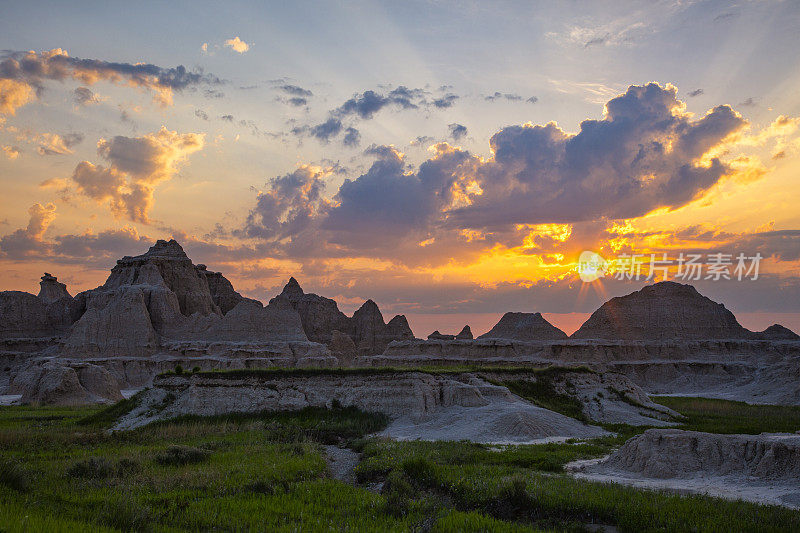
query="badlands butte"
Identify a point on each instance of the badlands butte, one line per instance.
(187, 343)
(158, 310)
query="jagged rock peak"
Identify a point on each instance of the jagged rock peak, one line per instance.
(51, 289)
(465, 334)
(369, 306)
(293, 288)
(524, 327)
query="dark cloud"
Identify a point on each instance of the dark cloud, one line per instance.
(288, 207)
(510, 97)
(199, 113)
(84, 96)
(297, 101)
(445, 101)
(365, 105)
(696, 92)
(457, 131)
(227, 118)
(352, 137)
(749, 102)
(326, 130)
(295, 90)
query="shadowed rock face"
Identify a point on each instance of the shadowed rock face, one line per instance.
(161, 296)
(663, 311)
(321, 317)
(524, 327)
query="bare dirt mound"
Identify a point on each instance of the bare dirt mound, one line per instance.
(763, 468)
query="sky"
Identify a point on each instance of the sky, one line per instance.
(449, 160)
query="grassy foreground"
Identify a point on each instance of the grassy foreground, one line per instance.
(268, 472)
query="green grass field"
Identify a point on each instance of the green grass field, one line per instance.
(60, 470)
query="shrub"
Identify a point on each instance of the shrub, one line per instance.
(182, 455)
(178, 369)
(399, 493)
(101, 468)
(92, 468)
(195, 370)
(13, 476)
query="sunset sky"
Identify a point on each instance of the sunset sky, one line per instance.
(449, 160)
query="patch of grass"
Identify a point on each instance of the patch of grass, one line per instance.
(542, 392)
(726, 416)
(267, 472)
(110, 414)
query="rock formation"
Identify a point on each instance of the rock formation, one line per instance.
(321, 317)
(465, 334)
(524, 327)
(673, 453)
(51, 289)
(665, 311)
(436, 336)
(776, 332)
(57, 383)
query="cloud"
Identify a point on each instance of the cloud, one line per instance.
(204, 48)
(352, 137)
(445, 101)
(365, 105)
(696, 92)
(22, 76)
(616, 33)
(136, 166)
(237, 45)
(295, 90)
(457, 131)
(646, 153)
(289, 205)
(83, 96)
(29, 240)
(13, 95)
(748, 102)
(11, 152)
(199, 113)
(55, 144)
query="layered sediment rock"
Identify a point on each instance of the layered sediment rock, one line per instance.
(524, 327)
(663, 311)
